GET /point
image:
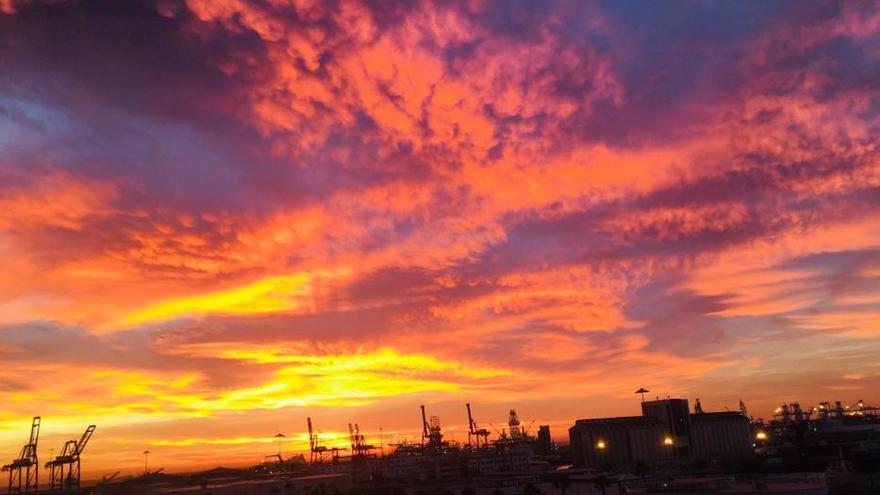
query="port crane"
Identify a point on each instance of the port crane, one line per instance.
(432, 435)
(476, 435)
(24, 471)
(319, 453)
(70, 457)
(359, 447)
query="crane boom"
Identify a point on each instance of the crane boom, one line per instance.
(35, 432)
(84, 439)
(424, 425)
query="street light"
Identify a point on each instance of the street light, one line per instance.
(600, 445)
(761, 435)
(279, 437)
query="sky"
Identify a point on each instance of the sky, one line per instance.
(219, 217)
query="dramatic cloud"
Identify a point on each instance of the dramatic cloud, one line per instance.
(218, 217)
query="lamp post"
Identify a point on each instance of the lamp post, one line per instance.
(279, 437)
(146, 462)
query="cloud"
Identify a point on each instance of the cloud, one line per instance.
(268, 295)
(219, 209)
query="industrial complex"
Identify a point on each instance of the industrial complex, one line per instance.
(669, 448)
(666, 431)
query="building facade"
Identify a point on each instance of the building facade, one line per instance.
(625, 441)
(721, 435)
(544, 445)
(665, 431)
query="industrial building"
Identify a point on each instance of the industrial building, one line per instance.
(666, 431)
(544, 445)
(831, 436)
(721, 435)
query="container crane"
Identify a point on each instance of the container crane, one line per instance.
(359, 447)
(319, 453)
(477, 435)
(70, 457)
(432, 436)
(24, 471)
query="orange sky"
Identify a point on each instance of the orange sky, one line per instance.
(220, 217)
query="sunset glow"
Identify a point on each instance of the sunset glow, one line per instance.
(219, 217)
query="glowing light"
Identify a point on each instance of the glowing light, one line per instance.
(668, 441)
(188, 442)
(382, 359)
(761, 435)
(600, 445)
(268, 295)
(339, 379)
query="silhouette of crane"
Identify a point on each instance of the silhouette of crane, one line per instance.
(476, 434)
(70, 457)
(502, 435)
(432, 435)
(359, 446)
(318, 452)
(26, 464)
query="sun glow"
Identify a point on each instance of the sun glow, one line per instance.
(269, 295)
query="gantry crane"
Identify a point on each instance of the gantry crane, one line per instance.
(432, 435)
(24, 471)
(359, 447)
(70, 457)
(861, 409)
(317, 452)
(477, 435)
